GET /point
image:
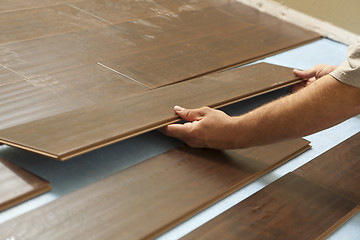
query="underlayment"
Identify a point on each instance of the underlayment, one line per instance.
(330, 18)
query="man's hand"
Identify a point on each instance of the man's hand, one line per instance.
(311, 75)
(206, 128)
(323, 104)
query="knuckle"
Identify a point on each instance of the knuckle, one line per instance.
(204, 109)
(187, 114)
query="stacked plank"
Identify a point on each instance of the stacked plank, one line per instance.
(76, 75)
(149, 198)
(71, 133)
(310, 203)
(18, 185)
(67, 59)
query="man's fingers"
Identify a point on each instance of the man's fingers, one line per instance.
(305, 74)
(176, 130)
(183, 132)
(318, 71)
(325, 70)
(189, 114)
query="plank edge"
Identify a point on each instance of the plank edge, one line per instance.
(338, 224)
(247, 181)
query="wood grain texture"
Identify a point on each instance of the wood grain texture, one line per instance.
(43, 56)
(157, 51)
(289, 208)
(115, 11)
(337, 169)
(149, 198)
(15, 5)
(40, 22)
(48, 95)
(18, 185)
(7, 77)
(183, 40)
(88, 128)
(57, 53)
(205, 41)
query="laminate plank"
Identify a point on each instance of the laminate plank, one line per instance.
(18, 185)
(158, 51)
(14, 5)
(149, 198)
(93, 83)
(195, 33)
(88, 128)
(40, 57)
(40, 22)
(248, 36)
(127, 10)
(289, 208)
(188, 25)
(7, 76)
(44, 96)
(337, 169)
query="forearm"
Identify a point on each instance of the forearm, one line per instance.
(323, 104)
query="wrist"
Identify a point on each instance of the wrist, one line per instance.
(238, 132)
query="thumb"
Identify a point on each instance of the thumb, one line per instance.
(305, 74)
(188, 114)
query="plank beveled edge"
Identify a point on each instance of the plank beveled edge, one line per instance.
(136, 132)
(145, 129)
(227, 193)
(249, 61)
(25, 197)
(38, 185)
(338, 224)
(324, 234)
(158, 125)
(13, 144)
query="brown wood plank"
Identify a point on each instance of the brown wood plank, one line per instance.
(78, 48)
(176, 46)
(159, 31)
(149, 198)
(116, 11)
(14, 5)
(18, 185)
(237, 34)
(7, 76)
(337, 169)
(44, 96)
(40, 57)
(43, 56)
(289, 208)
(40, 22)
(158, 51)
(93, 83)
(88, 128)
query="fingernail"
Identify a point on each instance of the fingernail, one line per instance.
(178, 108)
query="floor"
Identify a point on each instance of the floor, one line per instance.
(322, 51)
(93, 166)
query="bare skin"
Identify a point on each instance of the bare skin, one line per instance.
(321, 104)
(311, 75)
